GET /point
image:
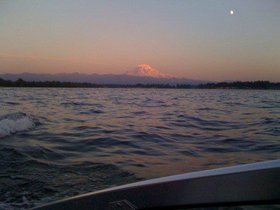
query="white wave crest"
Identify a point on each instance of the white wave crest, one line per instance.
(15, 122)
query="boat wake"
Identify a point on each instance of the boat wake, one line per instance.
(14, 123)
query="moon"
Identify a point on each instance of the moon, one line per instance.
(231, 12)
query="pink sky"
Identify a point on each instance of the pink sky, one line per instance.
(194, 39)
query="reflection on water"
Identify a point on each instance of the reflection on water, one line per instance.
(87, 139)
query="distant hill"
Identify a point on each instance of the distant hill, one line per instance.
(119, 79)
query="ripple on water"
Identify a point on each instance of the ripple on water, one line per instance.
(26, 182)
(92, 111)
(12, 103)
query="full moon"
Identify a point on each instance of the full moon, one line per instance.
(231, 12)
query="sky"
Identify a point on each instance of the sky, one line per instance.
(198, 39)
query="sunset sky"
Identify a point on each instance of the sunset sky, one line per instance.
(198, 39)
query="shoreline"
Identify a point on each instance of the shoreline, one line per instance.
(249, 85)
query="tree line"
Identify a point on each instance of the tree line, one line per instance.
(220, 85)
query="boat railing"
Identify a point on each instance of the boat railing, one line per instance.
(248, 184)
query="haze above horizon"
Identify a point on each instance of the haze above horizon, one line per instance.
(198, 39)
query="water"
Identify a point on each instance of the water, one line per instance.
(56, 143)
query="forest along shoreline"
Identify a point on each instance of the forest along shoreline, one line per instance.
(261, 85)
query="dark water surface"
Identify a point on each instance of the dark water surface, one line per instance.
(56, 143)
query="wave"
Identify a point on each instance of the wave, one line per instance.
(15, 122)
(22, 188)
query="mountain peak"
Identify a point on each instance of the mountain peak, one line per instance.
(145, 70)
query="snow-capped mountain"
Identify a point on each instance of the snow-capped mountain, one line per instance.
(145, 70)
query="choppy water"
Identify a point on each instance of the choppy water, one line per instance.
(56, 143)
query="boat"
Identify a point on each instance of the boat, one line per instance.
(247, 184)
